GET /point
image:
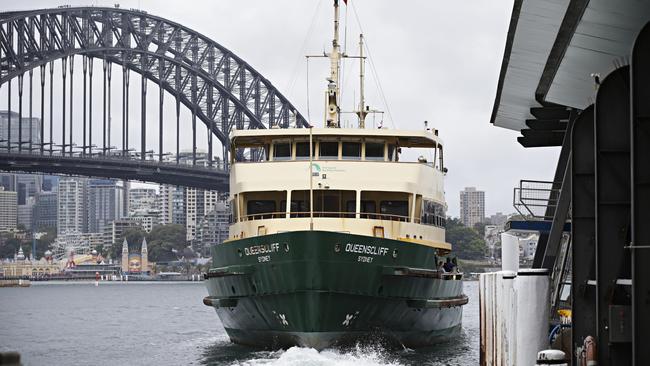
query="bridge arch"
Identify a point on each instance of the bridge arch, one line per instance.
(222, 90)
(215, 85)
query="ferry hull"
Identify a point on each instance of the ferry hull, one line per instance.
(318, 289)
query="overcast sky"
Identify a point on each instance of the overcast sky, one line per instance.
(435, 60)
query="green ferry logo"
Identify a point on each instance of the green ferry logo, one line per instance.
(315, 170)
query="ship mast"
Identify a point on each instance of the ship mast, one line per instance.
(332, 95)
(362, 100)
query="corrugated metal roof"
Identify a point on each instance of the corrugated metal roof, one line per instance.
(556, 46)
(534, 25)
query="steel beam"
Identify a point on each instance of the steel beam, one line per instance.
(612, 172)
(561, 175)
(583, 222)
(640, 151)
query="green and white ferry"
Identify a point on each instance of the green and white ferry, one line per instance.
(334, 239)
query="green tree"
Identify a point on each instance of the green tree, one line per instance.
(8, 245)
(133, 236)
(165, 240)
(466, 242)
(479, 227)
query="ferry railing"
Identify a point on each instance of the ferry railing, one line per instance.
(536, 199)
(432, 221)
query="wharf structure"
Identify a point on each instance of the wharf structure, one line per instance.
(576, 74)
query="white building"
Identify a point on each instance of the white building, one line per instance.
(141, 199)
(472, 206)
(212, 229)
(71, 211)
(198, 203)
(8, 209)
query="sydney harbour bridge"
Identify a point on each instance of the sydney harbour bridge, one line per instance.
(48, 48)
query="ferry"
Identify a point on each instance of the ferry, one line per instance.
(334, 238)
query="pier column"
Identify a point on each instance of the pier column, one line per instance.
(583, 221)
(612, 160)
(640, 243)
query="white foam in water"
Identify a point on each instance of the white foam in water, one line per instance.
(360, 356)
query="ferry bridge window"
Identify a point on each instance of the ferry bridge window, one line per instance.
(351, 150)
(299, 208)
(374, 151)
(395, 208)
(327, 203)
(302, 150)
(392, 153)
(282, 151)
(433, 213)
(260, 209)
(329, 150)
(368, 209)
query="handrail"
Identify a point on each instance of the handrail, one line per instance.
(334, 214)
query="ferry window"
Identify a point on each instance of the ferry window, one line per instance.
(302, 150)
(258, 207)
(442, 166)
(394, 208)
(392, 156)
(368, 209)
(374, 151)
(351, 150)
(329, 150)
(282, 151)
(433, 213)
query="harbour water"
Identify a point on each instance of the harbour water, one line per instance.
(167, 324)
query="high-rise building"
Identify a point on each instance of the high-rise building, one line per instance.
(104, 203)
(165, 203)
(212, 229)
(24, 213)
(198, 203)
(178, 206)
(44, 211)
(472, 206)
(8, 209)
(25, 185)
(24, 130)
(72, 216)
(142, 199)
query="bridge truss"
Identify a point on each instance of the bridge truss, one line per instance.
(218, 88)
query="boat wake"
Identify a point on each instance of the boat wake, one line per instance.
(357, 356)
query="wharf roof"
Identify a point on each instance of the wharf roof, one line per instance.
(424, 138)
(554, 51)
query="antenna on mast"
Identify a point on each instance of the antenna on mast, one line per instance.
(362, 102)
(333, 117)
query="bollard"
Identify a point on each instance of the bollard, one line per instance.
(551, 357)
(509, 252)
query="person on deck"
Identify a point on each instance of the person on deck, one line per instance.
(448, 265)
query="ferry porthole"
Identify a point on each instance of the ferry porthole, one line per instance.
(337, 248)
(286, 247)
(394, 253)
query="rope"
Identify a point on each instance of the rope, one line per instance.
(294, 73)
(372, 67)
